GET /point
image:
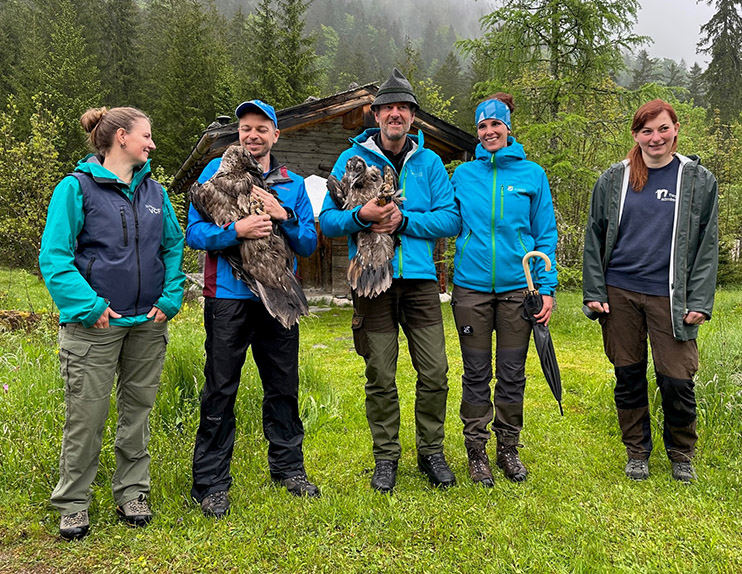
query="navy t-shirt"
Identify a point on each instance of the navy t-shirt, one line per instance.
(640, 260)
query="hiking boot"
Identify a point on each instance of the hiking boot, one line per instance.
(509, 461)
(299, 485)
(683, 471)
(435, 467)
(385, 475)
(479, 466)
(74, 526)
(135, 512)
(216, 504)
(637, 469)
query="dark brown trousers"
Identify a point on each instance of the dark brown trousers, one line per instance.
(477, 315)
(634, 316)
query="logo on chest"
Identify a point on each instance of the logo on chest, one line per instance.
(665, 195)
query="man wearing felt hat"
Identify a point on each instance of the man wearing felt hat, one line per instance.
(412, 302)
(234, 319)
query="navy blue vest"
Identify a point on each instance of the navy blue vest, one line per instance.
(118, 249)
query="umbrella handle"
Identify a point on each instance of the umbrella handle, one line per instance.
(527, 268)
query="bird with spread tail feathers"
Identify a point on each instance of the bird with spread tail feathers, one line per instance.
(370, 271)
(265, 264)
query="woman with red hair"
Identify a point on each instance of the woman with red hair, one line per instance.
(649, 268)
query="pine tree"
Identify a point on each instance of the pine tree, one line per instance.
(720, 38)
(186, 75)
(69, 79)
(645, 71)
(697, 85)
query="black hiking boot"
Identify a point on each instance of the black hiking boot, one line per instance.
(435, 467)
(385, 475)
(299, 485)
(216, 504)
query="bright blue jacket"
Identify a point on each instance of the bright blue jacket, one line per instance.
(428, 212)
(219, 281)
(506, 211)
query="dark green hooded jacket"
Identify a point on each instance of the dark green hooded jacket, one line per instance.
(694, 252)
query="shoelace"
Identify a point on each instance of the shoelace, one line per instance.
(75, 519)
(384, 470)
(302, 480)
(478, 460)
(218, 498)
(138, 506)
(437, 462)
(510, 454)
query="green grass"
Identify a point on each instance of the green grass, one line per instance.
(576, 513)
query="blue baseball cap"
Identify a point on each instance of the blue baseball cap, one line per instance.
(492, 110)
(258, 106)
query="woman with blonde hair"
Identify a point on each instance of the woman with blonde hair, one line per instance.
(649, 269)
(111, 256)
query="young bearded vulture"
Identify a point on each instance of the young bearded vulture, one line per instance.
(370, 271)
(265, 264)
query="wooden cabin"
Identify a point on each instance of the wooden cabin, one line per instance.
(313, 135)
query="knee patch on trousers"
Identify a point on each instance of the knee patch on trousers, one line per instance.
(631, 386)
(678, 400)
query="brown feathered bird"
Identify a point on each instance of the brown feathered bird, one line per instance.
(265, 264)
(370, 271)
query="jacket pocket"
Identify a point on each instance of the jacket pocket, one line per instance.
(124, 226)
(89, 269)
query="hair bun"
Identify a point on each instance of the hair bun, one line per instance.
(92, 117)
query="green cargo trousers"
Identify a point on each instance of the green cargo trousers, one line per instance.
(89, 361)
(415, 305)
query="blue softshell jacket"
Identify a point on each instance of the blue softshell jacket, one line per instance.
(428, 211)
(506, 211)
(219, 281)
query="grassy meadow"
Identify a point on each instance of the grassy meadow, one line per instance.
(575, 513)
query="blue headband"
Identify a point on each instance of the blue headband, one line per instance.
(492, 110)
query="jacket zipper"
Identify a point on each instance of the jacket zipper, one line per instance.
(89, 270)
(492, 218)
(463, 248)
(139, 266)
(403, 179)
(123, 224)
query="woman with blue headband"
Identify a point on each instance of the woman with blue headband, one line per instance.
(506, 211)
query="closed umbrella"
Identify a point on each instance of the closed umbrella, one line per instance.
(532, 304)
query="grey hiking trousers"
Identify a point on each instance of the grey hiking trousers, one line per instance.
(89, 360)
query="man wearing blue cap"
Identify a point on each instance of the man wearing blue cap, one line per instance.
(412, 301)
(234, 319)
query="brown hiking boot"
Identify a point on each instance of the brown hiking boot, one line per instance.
(509, 461)
(479, 465)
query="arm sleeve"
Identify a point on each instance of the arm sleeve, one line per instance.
(702, 276)
(299, 228)
(593, 278)
(442, 219)
(203, 235)
(544, 231)
(171, 251)
(74, 296)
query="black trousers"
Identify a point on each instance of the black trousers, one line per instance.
(232, 325)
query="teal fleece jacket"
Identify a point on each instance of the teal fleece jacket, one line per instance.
(75, 298)
(506, 211)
